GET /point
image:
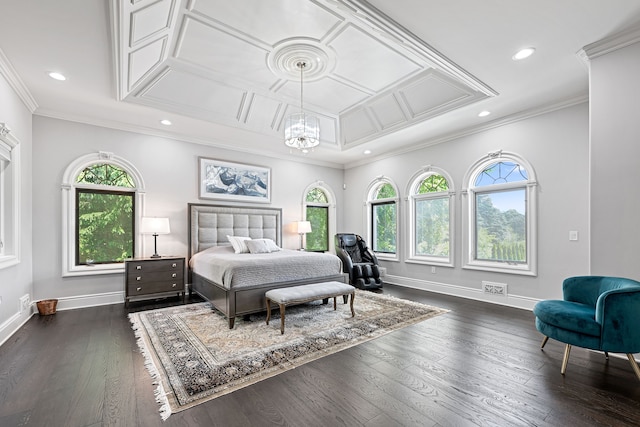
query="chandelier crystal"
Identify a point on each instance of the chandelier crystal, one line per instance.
(301, 131)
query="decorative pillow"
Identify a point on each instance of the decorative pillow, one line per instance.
(257, 246)
(239, 244)
(271, 245)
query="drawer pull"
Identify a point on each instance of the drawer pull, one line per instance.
(174, 285)
(174, 265)
(138, 289)
(174, 275)
(138, 267)
(138, 278)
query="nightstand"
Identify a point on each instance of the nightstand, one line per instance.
(149, 277)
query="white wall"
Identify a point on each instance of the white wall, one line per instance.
(615, 147)
(170, 172)
(556, 145)
(16, 281)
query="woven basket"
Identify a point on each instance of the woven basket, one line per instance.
(47, 306)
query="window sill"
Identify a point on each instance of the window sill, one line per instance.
(522, 270)
(7, 261)
(431, 261)
(93, 271)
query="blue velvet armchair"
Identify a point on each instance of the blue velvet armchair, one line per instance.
(597, 312)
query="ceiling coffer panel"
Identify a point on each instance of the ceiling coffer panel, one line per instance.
(325, 95)
(197, 96)
(144, 60)
(150, 20)
(431, 94)
(388, 112)
(210, 48)
(356, 125)
(270, 21)
(367, 62)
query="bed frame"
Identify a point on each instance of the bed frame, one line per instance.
(209, 226)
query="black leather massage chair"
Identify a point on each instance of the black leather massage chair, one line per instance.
(357, 260)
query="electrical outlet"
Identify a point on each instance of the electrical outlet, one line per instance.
(25, 303)
(494, 288)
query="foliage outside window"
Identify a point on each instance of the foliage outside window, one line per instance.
(384, 219)
(432, 219)
(317, 212)
(105, 218)
(502, 213)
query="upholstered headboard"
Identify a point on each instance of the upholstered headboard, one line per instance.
(209, 225)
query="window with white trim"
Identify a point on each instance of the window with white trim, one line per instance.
(501, 215)
(102, 205)
(9, 198)
(431, 218)
(382, 216)
(319, 209)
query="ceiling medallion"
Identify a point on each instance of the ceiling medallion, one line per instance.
(283, 59)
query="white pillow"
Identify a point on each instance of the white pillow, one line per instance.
(257, 246)
(239, 244)
(273, 247)
(262, 246)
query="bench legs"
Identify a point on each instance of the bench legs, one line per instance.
(283, 306)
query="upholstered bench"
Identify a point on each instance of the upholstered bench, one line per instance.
(306, 293)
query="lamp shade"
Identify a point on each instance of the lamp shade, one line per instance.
(304, 227)
(153, 225)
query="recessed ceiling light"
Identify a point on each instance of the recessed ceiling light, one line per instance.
(166, 122)
(484, 113)
(57, 76)
(524, 53)
(367, 151)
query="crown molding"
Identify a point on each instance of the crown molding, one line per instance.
(16, 83)
(611, 43)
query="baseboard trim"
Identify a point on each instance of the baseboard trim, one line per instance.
(93, 300)
(12, 324)
(517, 301)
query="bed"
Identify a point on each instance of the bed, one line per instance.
(235, 283)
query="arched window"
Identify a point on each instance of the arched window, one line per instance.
(431, 215)
(9, 198)
(102, 201)
(319, 209)
(501, 215)
(383, 218)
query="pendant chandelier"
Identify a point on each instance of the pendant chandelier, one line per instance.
(301, 131)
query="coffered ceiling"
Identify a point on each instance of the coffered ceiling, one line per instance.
(383, 76)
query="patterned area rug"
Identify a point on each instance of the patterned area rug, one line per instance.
(194, 356)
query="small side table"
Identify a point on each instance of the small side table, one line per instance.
(149, 277)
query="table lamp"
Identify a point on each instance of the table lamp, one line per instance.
(155, 226)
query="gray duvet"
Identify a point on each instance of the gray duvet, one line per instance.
(223, 266)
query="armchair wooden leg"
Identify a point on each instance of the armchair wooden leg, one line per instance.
(634, 364)
(565, 360)
(544, 342)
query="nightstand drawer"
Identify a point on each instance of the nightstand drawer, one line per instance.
(154, 276)
(152, 266)
(154, 288)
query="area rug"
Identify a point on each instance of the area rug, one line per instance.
(194, 357)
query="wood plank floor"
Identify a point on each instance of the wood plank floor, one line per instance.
(480, 364)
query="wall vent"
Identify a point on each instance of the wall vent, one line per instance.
(494, 288)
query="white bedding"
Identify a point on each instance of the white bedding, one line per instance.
(221, 265)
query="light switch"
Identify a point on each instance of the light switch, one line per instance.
(573, 235)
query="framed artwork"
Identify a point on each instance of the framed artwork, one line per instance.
(234, 181)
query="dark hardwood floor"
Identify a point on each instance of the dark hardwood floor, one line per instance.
(480, 364)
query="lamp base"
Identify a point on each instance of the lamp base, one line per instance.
(156, 256)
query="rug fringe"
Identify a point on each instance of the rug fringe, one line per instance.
(159, 392)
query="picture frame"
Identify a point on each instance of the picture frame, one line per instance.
(235, 182)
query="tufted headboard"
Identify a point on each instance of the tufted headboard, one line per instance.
(209, 225)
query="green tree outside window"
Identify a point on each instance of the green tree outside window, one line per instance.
(384, 219)
(317, 213)
(104, 218)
